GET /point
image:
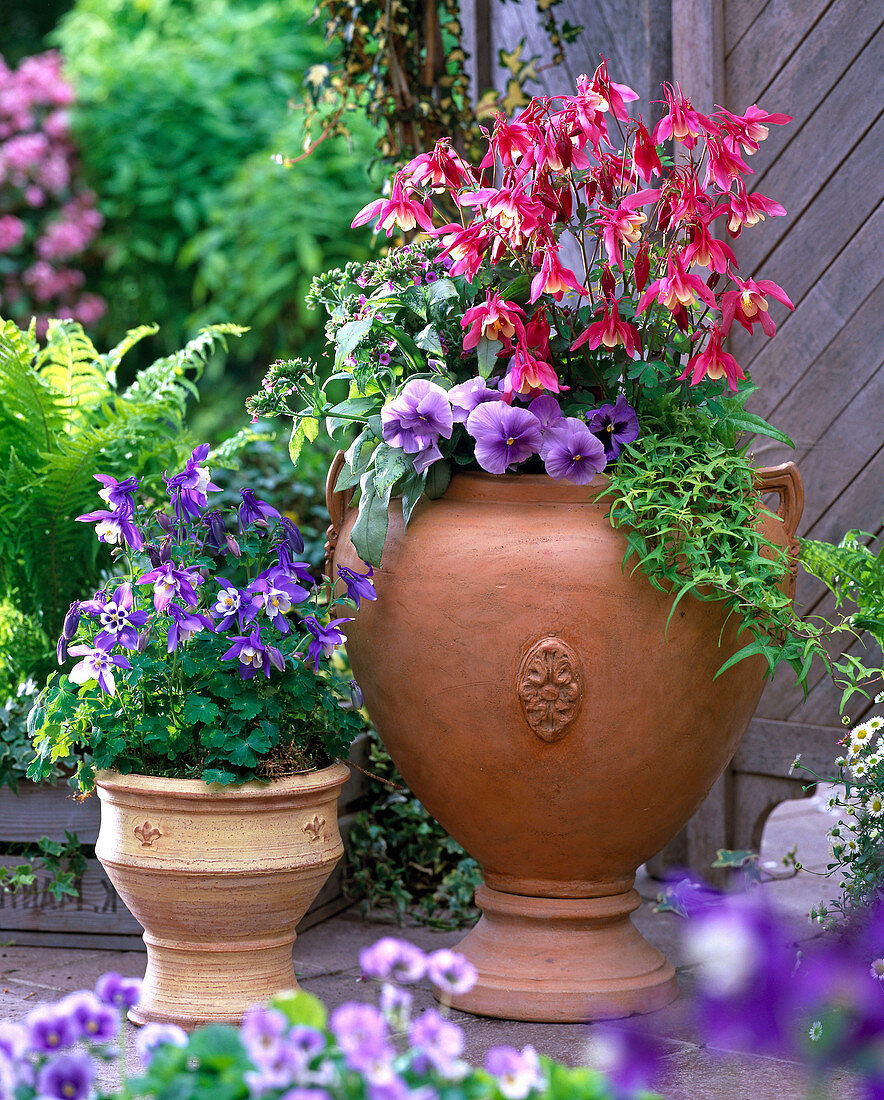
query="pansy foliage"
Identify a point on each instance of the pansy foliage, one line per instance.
(212, 657)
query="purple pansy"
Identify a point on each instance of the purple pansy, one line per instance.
(325, 638)
(253, 510)
(438, 1045)
(188, 489)
(359, 585)
(114, 527)
(118, 494)
(416, 419)
(50, 1028)
(364, 1038)
(97, 664)
(253, 654)
(393, 960)
(571, 451)
(169, 583)
(451, 972)
(151, 1037)
(466, 396)
(262, 1033)
(118, 619)
(66, 1077)
(546, 409)
(114, 989)
(630, 1059)
(93, 1019)
(184, 625)
(615, 425)
(518, 1073)
(13, 1040)
(505, 435)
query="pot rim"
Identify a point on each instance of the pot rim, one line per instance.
(319, 780)
(476, 485)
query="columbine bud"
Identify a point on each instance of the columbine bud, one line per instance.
(61, 650)
(71, 621)
(233, 546)
(164, 521)
(154, 555)
(294, 540)
(356, 695)
(713, 280)
(143, 639)
(641, 268)
(607, 282)
(165, 550)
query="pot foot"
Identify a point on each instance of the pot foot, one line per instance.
(562, 960)
(192, 984)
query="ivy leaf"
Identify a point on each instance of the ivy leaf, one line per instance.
(438, 479)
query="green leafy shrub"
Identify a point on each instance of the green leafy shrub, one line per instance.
(24, 648)
(399, 858)
(181, 106)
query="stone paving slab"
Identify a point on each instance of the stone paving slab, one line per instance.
(326, 962)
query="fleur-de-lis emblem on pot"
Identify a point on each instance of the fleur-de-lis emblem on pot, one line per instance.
(147, 834)
(314, 828)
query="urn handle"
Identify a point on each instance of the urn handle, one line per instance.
(785, 481)
(337, 501)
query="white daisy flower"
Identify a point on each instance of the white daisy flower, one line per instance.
(876, 722)
(875, 804)
(859, 769)
(816, 1030)
(877, 969)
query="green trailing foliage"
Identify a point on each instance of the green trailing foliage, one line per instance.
(400, 859)
(686, 501)
(62, 863)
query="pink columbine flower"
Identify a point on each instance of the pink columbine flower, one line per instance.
(681, 121)
(443, 168)
(752, 127)
(747, 209)
(724, 163)
(528, 374)
(748, 305)
(553, 278)
(464, 246)
(610, 331)
(676, 288)
(510, 141)
(623, 225)
(706, 250)
(713, 362)
(513, 213)
(614, 96)
(644, 154)
(495, 319)
(399, 210)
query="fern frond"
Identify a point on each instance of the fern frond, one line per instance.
(30, 414)
(71, 364)
(114, 357)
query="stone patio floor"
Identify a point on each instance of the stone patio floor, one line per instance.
(326, 960)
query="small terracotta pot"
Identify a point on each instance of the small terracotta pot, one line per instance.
(533, 697)
(219, 878)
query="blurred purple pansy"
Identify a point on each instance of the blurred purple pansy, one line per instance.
(518, 1072)
(66, 1077)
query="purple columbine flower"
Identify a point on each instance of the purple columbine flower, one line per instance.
(325, 638)
(116, 990)
(359, 585)
(114, 527)
(518, 1073)
(169, 583)
(417, 419)
(438, 1045)
(451, 972)
(253, 654)
(184, 625)
(546, 409)
(275, 594)
(615, 425)
(152, 1036)
(97, 664)
(93, 1020)
(505, 435)
(118, 619)
(50, 1028)
(393, 960)
(466, 396)
(231, 603)
(118, 494)
(71, 621)
(66, 1077)
(188, 490)
(291, 536)
(257, 511)
(299, 570)
(571, 451)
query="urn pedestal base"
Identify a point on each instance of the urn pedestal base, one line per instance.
(562, 960)
(190, 984)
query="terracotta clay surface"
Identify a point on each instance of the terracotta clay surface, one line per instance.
(522, 683)
(219, 878)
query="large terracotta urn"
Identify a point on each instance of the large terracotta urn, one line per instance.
(219, 878)
(529, 692)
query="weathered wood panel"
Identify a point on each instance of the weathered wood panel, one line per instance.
(42, 810)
